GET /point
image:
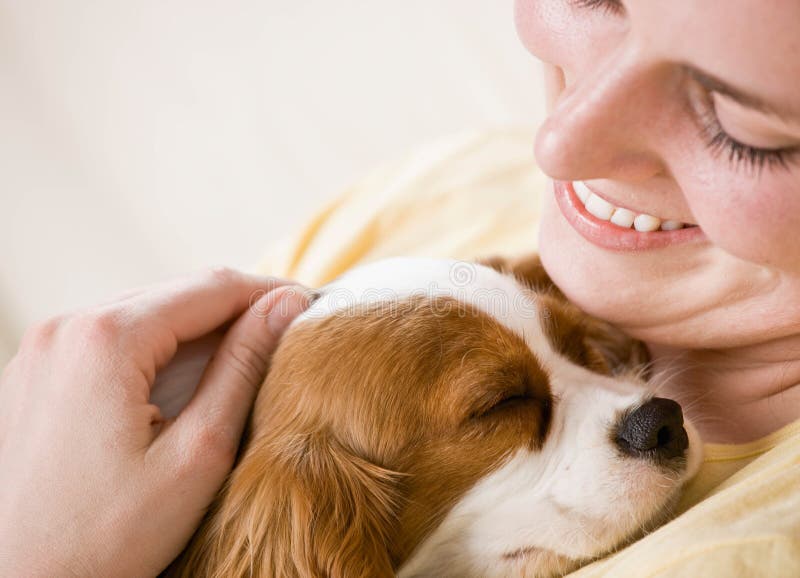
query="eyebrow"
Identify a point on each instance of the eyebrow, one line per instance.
(714, 84)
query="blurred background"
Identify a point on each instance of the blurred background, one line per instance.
(142, 139)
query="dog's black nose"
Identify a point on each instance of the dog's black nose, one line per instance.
(654, 429)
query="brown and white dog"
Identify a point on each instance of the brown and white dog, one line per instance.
(439, 418)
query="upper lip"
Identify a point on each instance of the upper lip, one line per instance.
(616, 203)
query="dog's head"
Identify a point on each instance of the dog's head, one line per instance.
(438, 418)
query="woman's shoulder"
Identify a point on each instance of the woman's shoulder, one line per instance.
(743, 524)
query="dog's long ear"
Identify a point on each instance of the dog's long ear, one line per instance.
(589, 341)
(619, 351)
(528, 270)
(298, 508)
(586, 340)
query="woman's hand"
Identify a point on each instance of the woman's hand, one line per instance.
(94, 481)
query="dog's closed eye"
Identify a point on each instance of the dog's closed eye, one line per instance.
(499, 403)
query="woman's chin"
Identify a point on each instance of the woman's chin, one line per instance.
(619, 287)
(585, 273)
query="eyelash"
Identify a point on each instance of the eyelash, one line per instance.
(717, 140)
(739, 154)
(614, 6)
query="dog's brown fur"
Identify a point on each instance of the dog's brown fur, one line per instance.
(370, 426)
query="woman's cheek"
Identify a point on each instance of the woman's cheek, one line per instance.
(757, 223)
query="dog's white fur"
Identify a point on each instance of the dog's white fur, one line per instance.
(576, 498)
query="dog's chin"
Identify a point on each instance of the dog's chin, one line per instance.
(657, 512)
(537, 562)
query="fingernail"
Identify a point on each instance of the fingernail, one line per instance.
(292, 301)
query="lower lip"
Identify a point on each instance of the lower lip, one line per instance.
(607, 235)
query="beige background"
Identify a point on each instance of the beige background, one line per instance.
(140, 139)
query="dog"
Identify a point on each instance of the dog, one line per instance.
(435, 418)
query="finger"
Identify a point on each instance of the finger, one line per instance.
(175, 384)
(187, 309)
(128, 294)
(233, 377)
(195, 306)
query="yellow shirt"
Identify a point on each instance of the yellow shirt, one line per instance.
(477, 194)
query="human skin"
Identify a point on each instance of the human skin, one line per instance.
(94, 481)
(626, 115)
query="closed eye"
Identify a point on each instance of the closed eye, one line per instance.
(613, 6)
(516, 393)
(521, 412)
(505, 402)
(511, 401)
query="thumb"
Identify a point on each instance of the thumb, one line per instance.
(219, 408)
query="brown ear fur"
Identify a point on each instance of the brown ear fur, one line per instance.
(585, 340)
(297, 508)
(528, 270)
(620, 351)
(588, 341)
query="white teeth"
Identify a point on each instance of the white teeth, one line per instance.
(671, 225)
(581, 190)
(600, 208)
(646, 223)
(623, 218)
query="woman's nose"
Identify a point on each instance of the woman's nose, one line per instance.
(606, 122)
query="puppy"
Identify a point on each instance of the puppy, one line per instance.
(433, 418)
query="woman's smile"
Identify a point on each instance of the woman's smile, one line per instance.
(617, 228)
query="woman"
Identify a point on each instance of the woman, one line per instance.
(678, 115)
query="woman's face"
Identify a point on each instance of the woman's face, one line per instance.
(688, 112)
